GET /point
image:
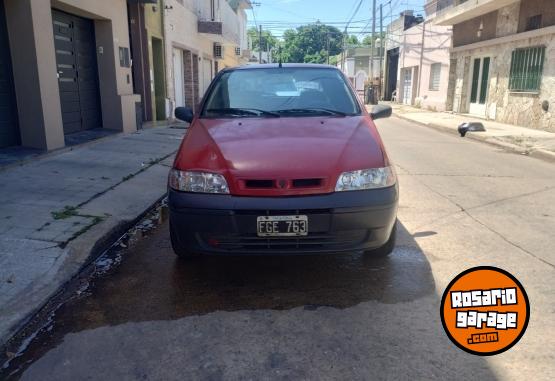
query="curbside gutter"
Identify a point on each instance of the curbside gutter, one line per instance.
(84, 250)
(512, 148)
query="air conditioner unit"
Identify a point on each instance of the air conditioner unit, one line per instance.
(218, 51)
(237, 51)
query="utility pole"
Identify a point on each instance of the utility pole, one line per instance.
(343, 53)
(260, 44)
(421, 58)
(373, 46)
(328, 44)
(381, 48)
(268, 52)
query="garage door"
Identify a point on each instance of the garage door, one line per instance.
(77, 72)
(9, 132)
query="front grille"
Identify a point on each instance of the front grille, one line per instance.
(307, 183)
(281, 183)
(258, 184)
(251, 242)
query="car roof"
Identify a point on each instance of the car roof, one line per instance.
(285, 65)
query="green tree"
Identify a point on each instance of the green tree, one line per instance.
(268, 40)
(368, 39)
(352, 40)
(309, 43)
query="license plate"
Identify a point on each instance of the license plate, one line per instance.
(282, 226)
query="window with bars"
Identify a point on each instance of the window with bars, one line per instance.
(526, 69)
(534, 22)
(435, 73)
(218, 51)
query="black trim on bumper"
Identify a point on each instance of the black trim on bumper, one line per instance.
(338, 222)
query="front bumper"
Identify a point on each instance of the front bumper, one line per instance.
(337, 222)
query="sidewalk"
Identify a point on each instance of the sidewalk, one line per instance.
(526, 141)
(61, 209)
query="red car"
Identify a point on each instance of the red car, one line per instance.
(282, 160)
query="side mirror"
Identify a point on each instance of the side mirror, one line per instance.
(184, 113)
(381, 111)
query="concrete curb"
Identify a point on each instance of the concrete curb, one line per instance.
(513, 148)
(85, 249)
(81, 252)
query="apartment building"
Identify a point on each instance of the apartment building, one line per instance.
(358, 65)
(146, 30)
(393, 41)
(78, 69)
(65, 69)
(424, 63)
(503, 59)
(201, 38)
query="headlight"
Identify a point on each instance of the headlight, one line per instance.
(199, 182)
(366, 179)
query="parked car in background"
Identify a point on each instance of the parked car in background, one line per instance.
(282, 160)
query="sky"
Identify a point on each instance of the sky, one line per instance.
(279, 15)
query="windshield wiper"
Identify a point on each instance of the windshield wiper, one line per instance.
(311, 110)
(242, 111)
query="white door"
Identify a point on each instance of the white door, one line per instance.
(178, 78)
(206, 75)
(479, 79)
(360, 79)
(407, 86)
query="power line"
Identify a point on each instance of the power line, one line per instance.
(354, 14)
(358, 27)
(254, 17)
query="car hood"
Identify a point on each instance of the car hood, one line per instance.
(282, 149)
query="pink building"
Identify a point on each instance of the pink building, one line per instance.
(424, 66)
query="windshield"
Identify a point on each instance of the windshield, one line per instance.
(281, 92)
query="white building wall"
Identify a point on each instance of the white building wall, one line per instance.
(181, 28)
(423, 45)
(181, 31)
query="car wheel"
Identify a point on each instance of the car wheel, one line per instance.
(386, 249)
(179, 250)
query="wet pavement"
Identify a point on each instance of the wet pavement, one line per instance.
(151, 316)
(152, 284)
(263, 309)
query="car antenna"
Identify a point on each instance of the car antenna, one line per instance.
(279, 53)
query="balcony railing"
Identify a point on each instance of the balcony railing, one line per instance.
(435, 8)
(218, 21)
(452, 12)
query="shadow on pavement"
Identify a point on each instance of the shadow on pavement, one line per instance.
(384, 310)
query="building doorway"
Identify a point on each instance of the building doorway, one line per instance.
(75, 44)
(479, 78)
(360, 80)
(391, 73)
(407, 86)
(9, 131)
(206, 75)
(157, 76)
(178, 78)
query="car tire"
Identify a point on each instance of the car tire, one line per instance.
(386, 249)
(179, 250)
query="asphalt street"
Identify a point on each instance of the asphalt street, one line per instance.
(463, 204)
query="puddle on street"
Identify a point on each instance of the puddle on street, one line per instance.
(142, 280)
